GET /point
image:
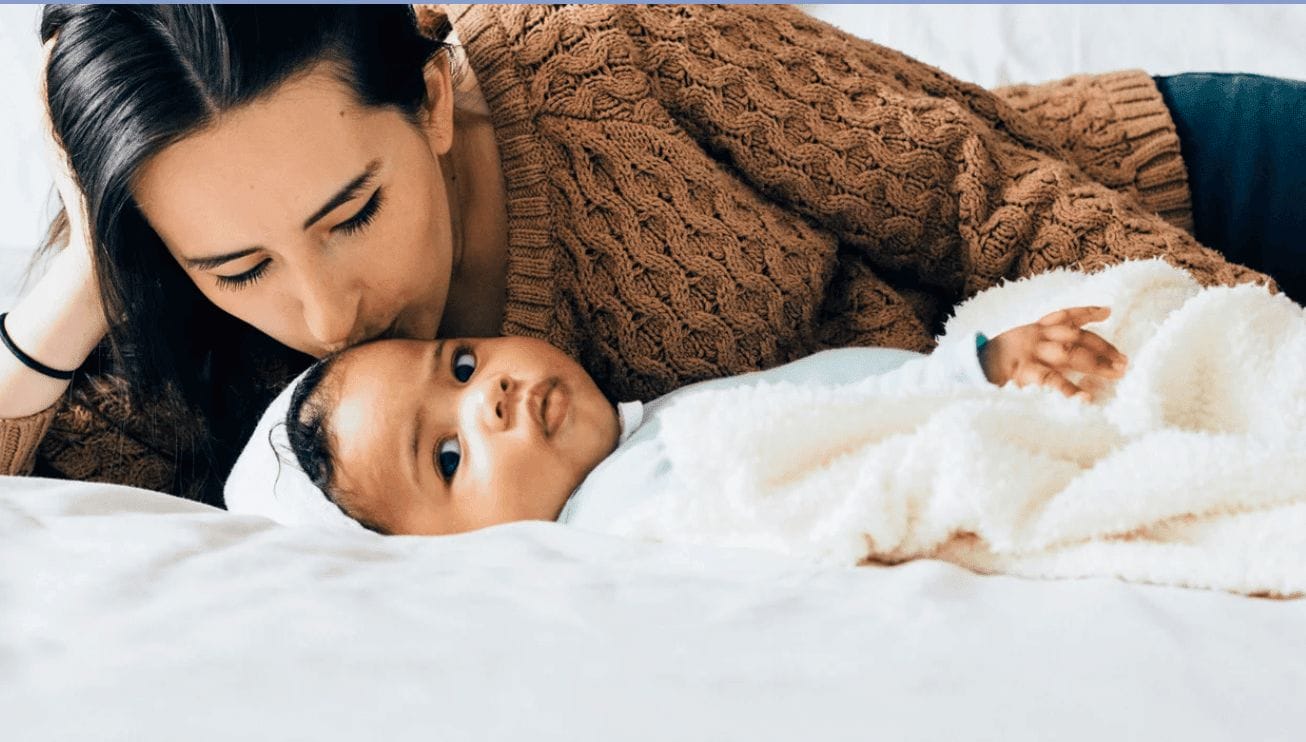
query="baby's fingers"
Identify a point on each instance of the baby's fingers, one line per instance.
(1037, 374)
(1076, 316)
(1074, 349)
(1092, 384)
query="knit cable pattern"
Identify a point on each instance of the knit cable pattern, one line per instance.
(731, 187)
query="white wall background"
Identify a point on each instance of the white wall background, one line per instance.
(987, 44)
(26, 193)
(999, 44)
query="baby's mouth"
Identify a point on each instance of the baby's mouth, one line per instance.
(390, 332)
(552, 408)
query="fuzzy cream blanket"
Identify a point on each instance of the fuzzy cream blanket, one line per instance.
(1190, 471)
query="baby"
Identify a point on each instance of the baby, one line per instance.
(449, 436)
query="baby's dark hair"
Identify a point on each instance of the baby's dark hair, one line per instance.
(310, 438)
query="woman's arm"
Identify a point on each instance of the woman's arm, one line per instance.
(927, 176)
(59, 322)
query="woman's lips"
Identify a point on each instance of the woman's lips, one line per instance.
(389, 332)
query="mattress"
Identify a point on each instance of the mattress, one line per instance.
(131, 615)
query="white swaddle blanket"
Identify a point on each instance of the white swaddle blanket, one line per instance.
(1190, 471)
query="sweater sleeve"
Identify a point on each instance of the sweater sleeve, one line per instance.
(927, 177)
(101, 431)
(1115, 127)
(19, 439)
(90, 435)
(96, 435)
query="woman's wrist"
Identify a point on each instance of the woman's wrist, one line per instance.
(58, 323)
(61, 320)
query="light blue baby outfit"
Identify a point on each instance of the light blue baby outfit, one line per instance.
(638, 469)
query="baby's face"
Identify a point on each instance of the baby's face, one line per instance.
(446, 436)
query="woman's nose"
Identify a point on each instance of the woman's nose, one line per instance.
(330, 312)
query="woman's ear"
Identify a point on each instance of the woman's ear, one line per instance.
(438, 111)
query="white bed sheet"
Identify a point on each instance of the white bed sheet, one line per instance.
(129, 615)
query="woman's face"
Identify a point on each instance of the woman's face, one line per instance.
(318, 220)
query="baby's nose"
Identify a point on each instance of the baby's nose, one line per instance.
(502, 398)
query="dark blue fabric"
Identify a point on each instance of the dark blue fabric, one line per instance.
(1243, 140)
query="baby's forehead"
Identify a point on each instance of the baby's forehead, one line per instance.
(370, 399)
(367, 437)
(387, 360)
(363, 371)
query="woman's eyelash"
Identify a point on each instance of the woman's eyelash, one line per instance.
(364, 217)
(247, 278)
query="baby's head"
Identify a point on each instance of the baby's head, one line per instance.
(438, 437)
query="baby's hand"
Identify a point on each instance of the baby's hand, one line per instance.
(1044, 352)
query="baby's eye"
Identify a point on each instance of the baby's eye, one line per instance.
(464, 363)
(447, 457)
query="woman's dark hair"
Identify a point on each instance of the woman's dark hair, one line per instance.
(126, 81)
(310, 437)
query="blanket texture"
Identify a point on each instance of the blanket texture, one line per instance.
(1190, 471)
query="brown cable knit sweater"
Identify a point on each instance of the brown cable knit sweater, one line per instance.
(700, 191)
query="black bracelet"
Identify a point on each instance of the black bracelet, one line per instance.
(27, 360)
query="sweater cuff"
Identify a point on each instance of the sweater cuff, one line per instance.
(1160, 176)
(19, 439)
(1118, 130)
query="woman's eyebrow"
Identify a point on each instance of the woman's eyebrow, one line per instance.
(350, 190)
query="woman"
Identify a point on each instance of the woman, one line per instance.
(666, 193)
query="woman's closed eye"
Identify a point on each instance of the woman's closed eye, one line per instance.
(363, 217)
(247, 278)
(352, 225)
(447, 457)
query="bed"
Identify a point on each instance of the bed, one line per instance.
(130, 615)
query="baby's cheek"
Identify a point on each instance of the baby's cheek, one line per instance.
(543, 490)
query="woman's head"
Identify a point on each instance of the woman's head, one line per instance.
(284, 161)
(446, 436)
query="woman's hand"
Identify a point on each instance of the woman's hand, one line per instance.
(60, 320)
(1044, 352)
